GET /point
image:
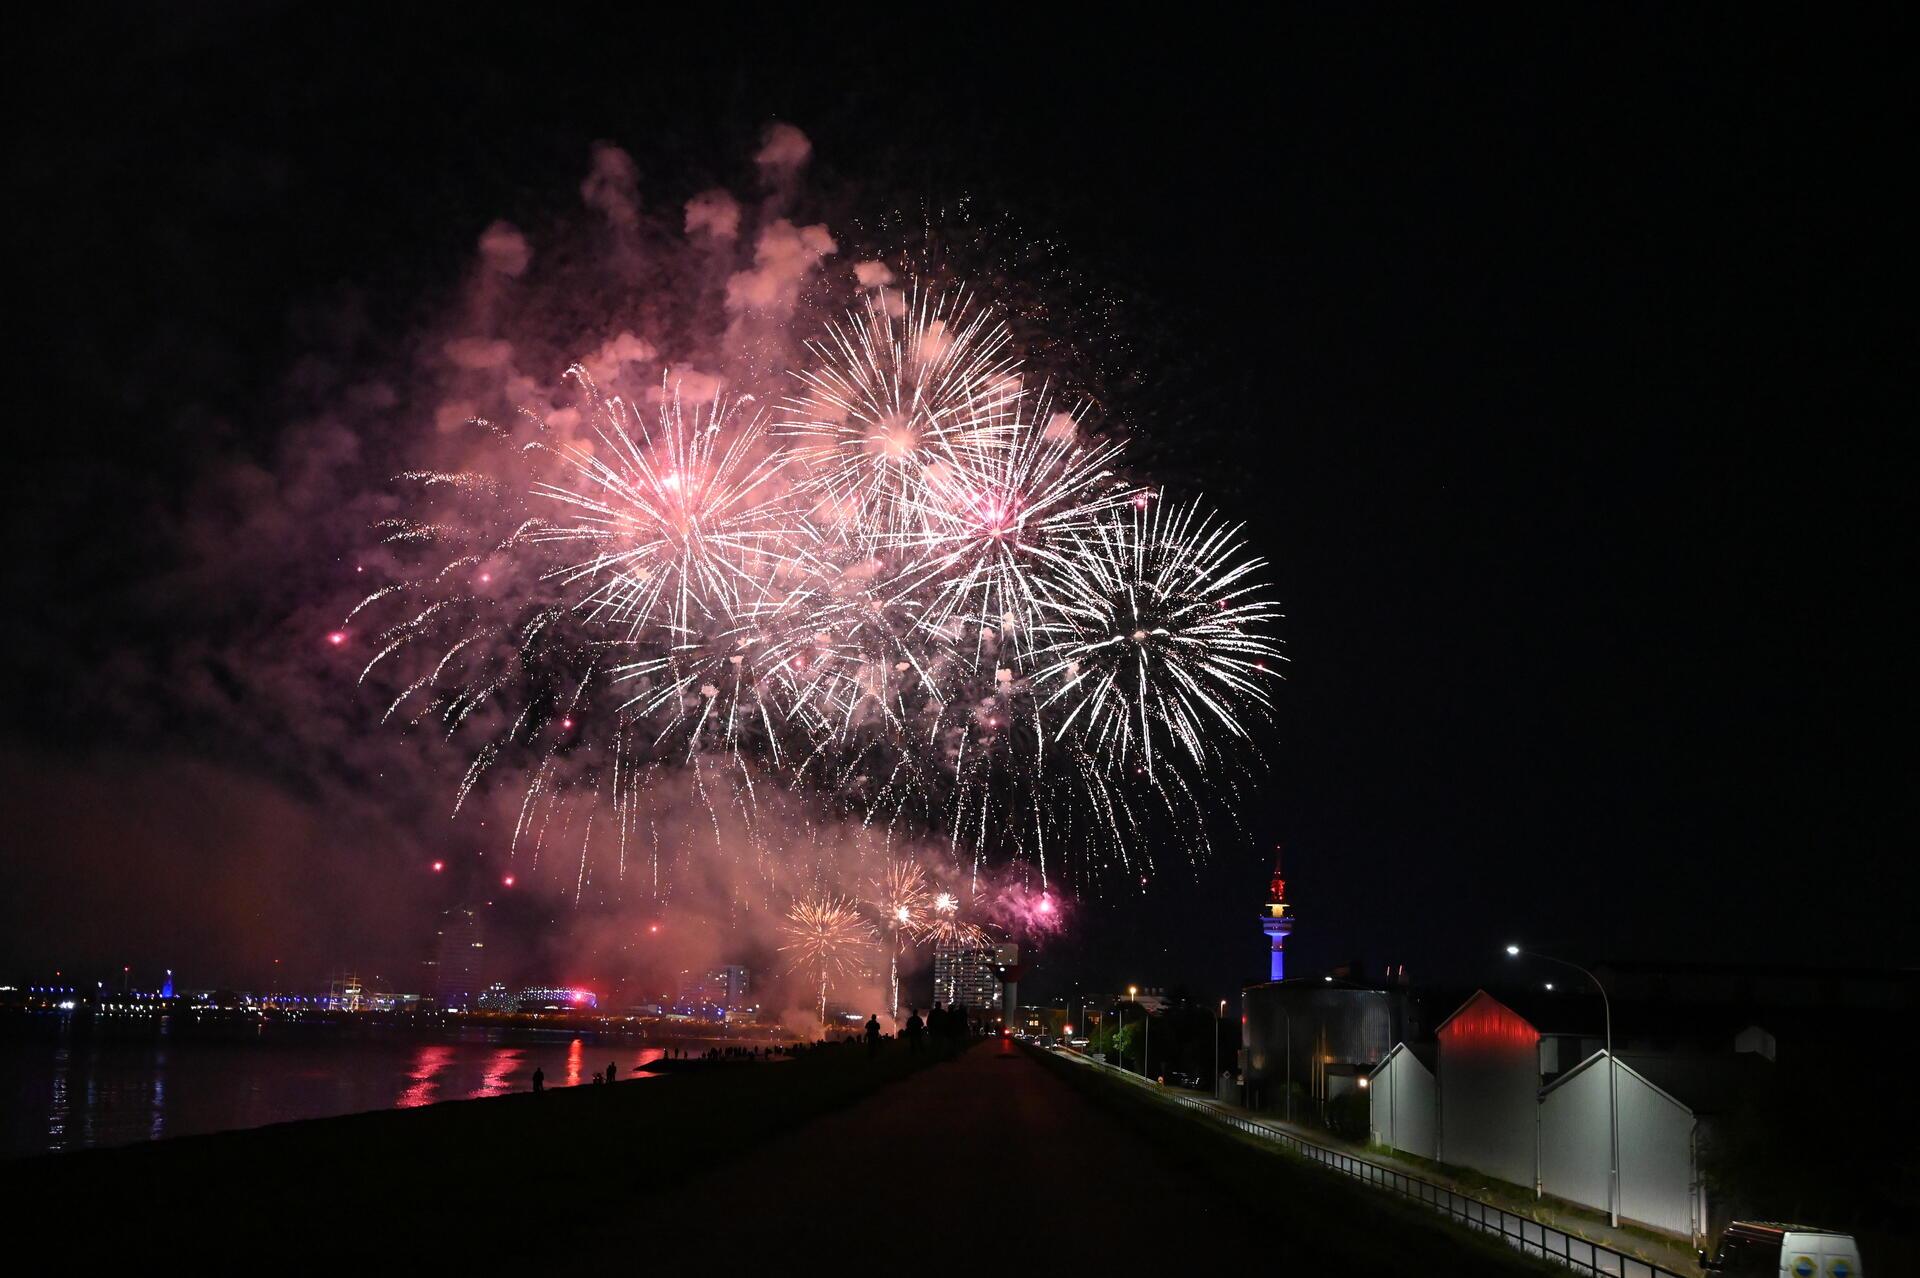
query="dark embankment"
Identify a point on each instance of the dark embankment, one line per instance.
(515, 1175)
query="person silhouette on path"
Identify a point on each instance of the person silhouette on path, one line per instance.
(539, 1079)
(873, 1035)
(915, 1028)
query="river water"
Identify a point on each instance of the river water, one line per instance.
(70, 1082)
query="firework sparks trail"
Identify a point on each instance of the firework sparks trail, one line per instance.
(681, 517)
(1158, 640)
(899, 896)
(828, 936)
(915, 595)
(903, 386)
(946, 929)
(996, 525)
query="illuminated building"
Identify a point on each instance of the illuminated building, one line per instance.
(1520, 1092)
(1276, 923)
(545, 998)
(1151, 997)
(964, 974)
(1006, 967)
(1492, 1062)
(537, 998)
(730, 982)
(710, 995)
(454, 973)
(496, 999)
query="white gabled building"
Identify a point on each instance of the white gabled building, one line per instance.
(1400, 1103)
(1659, 1180)
(1666, 1105)
(1492, 1059)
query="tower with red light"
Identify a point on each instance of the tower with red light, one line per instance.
(1277, 922)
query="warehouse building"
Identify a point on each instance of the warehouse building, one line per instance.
(1667, 1104)
(1401, 1112)
(1492, 1060)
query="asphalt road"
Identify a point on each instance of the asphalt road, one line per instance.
(991, 1149)
(995, 1156)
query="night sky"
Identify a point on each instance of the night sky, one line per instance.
(1556, 366)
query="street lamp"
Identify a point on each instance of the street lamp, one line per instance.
(1146, 1025)
(1217, 1017)
(1613, 1092)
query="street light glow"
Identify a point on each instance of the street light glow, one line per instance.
(1513, 951)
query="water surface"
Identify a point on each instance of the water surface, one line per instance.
(73, 1082)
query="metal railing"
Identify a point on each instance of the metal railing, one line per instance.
(1582, 1255)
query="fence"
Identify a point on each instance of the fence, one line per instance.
(1582, 1255)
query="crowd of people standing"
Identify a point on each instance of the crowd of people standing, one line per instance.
(946, 1027)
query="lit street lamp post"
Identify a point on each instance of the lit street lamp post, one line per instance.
(1216, 1047)
(1613, 1094)
(1133, 996)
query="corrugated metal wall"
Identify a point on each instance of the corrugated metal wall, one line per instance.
(1400, 1102)
(1656, 1148)
(1489, 1080)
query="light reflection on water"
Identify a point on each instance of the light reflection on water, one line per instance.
(427, 1064)
(500, 1069)
(158, 1126)
(64, 1085)
(58, 1106)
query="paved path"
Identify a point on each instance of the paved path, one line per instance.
(991, 1148)
(994, 1156)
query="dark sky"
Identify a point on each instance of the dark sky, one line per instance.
(1556, 365)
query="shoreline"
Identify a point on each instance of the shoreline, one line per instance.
(591, 1148)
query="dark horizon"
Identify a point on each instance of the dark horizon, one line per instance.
(1550, 361)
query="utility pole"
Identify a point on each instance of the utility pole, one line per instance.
(1613, 1095)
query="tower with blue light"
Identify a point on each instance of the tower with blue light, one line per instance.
(1277, 922)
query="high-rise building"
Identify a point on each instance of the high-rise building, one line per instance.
(454, 971)
(1277, 923)
(728, 986)
(1006, 969)
(720, 989)
(964, 974)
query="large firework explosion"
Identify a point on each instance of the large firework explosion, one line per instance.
(911, 591)
(826, 937)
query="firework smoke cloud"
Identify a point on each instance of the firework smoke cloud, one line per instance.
(810, 545)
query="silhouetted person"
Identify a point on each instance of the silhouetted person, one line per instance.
(915, 1028)
(873, 1034)
(937, 1025)
(539, 1079)
(957, 1023)
(612, 1071)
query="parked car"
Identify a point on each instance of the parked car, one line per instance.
(1766, 1249)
